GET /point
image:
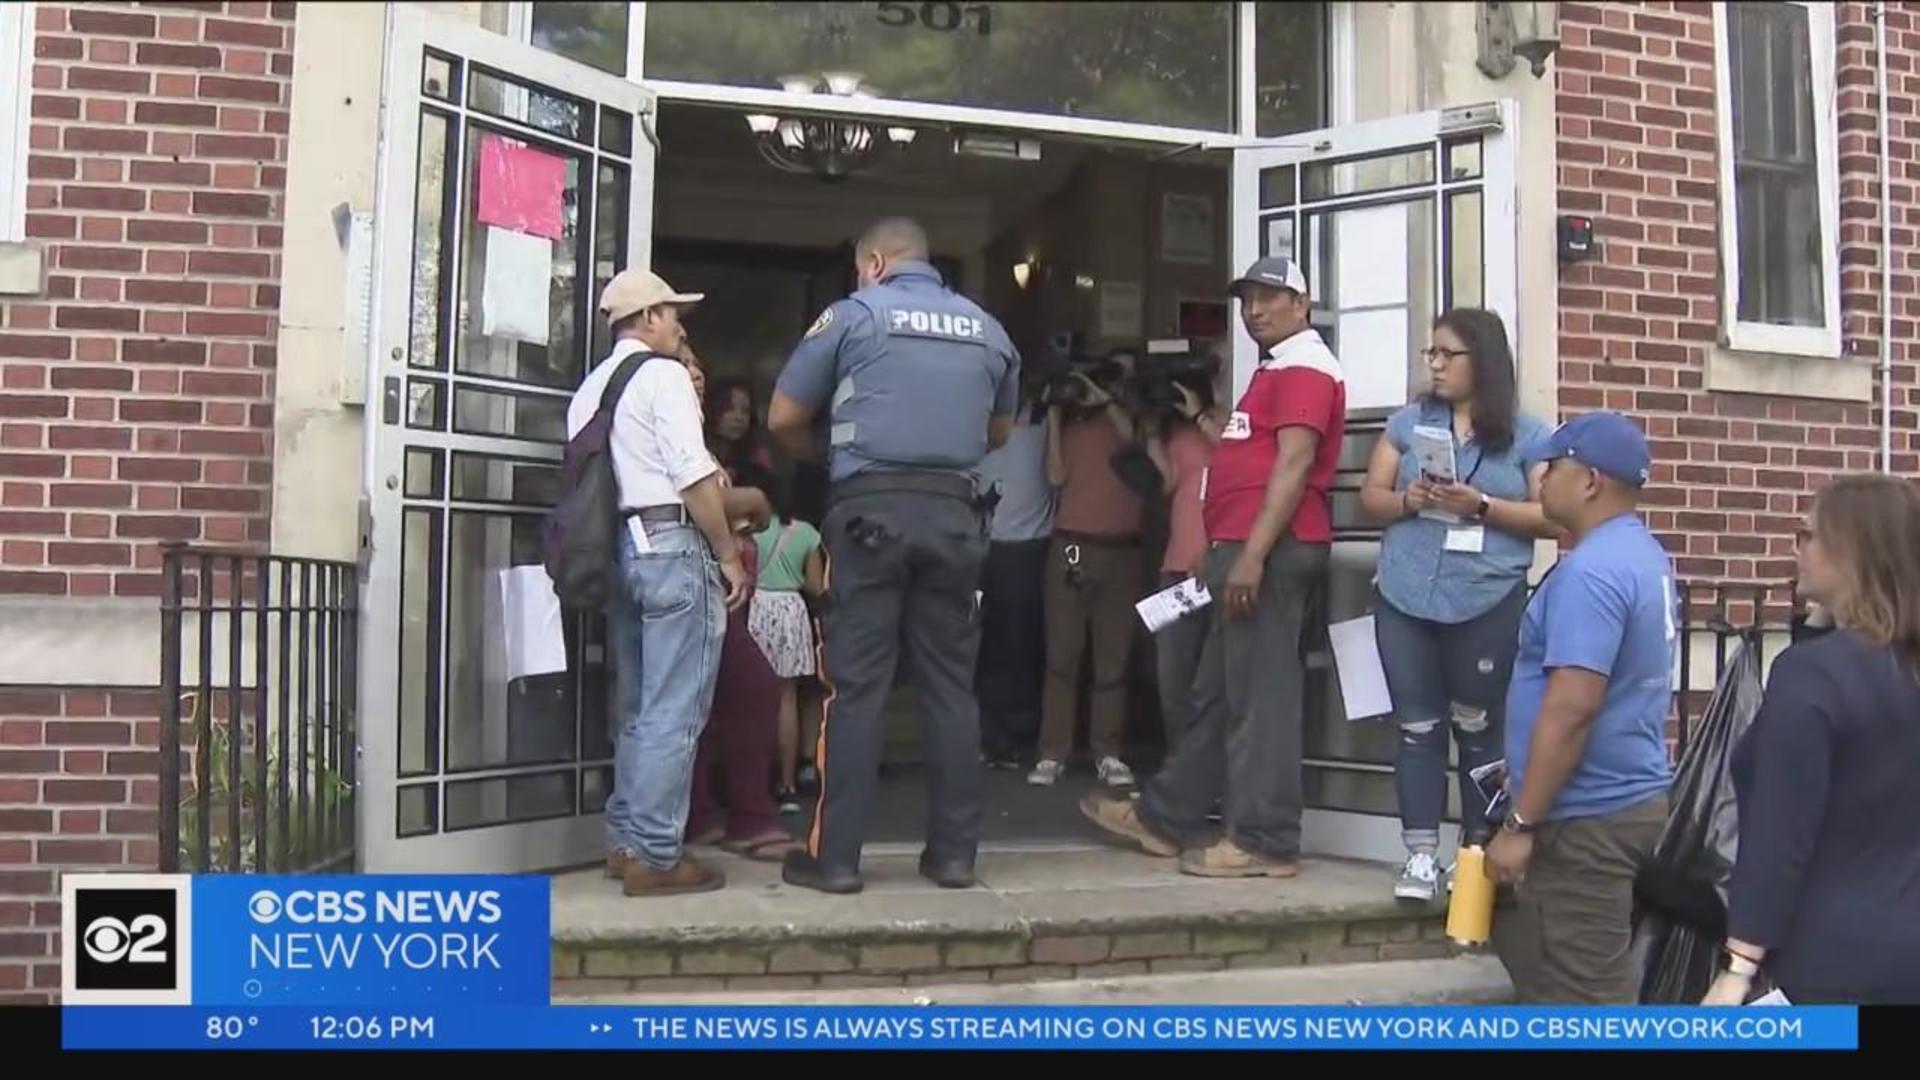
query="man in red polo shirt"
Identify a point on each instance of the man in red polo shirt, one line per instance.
(1270, 529)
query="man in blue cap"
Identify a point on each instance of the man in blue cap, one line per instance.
(1586, 725)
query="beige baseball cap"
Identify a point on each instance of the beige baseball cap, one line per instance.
(633, 291)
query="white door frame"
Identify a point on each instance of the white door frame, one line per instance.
(1338, 832)
(411, 30)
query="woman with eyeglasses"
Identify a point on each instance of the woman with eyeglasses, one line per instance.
(1462, 512)
(1825, 894)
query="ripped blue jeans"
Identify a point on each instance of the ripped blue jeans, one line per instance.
(1446, 678)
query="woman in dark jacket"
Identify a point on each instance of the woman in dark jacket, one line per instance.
(1825, 896)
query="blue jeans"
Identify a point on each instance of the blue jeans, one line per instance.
(1446, 677)
(671, 610)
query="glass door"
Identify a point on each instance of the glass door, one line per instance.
(1393, 221)
(514, 184)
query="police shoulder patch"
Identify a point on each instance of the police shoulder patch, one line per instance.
(820, 324)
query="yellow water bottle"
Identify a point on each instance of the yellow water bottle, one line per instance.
(1470, 910)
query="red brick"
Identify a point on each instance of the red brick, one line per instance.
(157, 526)
(81, 852)
(114, 80)
(32, 465)
(187, 56)
(230, 324)
(51, 227)
(91, 495)
(166, 292)
(84, 20)
(246, 62)
(226, 88)
(138, 822)
(81, 318)
(240, 33)
(160, 412)
(242, 147)
(52, 107)
(91, 526)
(25, 821)
(232, 204)
(90, 438)
(231, 263)
(48, 47)
(29, 762)
(33, 405)
(22, 552)
(31, 523)
(75, 257)
(165, 352)
(80, 554)
(170, 172)
(56, 790)
(105, 140)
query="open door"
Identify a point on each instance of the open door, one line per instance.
(514, 184)
(1394, 221)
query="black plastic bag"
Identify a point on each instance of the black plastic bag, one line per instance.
(1681, 893)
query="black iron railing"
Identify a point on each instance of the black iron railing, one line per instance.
(257, 718)
(1719, 616)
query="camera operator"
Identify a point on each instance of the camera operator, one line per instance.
(1093, 570)
(1185, 420)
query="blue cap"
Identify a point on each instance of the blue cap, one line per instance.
(1605, 441)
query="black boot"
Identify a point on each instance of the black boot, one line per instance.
(947, 873)
(805, 871)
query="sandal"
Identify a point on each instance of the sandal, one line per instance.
(769, 848)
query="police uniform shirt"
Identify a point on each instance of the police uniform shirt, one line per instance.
(910, 372)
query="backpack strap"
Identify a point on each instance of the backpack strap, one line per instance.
(622, 375)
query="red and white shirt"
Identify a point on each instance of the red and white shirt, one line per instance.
(1300, 385)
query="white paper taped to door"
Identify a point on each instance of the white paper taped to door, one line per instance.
(517, 290)
(1356, 660)
(535, 635)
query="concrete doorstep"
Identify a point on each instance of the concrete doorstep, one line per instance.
(1081, 917)
(1463, 980)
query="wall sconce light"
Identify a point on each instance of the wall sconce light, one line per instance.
(1528, 31)
(1023, 272)
(1083, 281)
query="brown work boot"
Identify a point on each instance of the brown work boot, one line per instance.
(687, 876)
(1118, 817)
(617, 863)
(1228, 859)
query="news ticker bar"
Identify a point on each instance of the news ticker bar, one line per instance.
(957, 1028)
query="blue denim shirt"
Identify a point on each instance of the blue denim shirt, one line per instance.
(1417, 574)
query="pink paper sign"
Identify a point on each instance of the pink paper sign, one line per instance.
(521, 188)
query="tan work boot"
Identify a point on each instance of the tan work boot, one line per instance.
(1226, 859)
(1120, 818)
(687, 876)
(617, 863)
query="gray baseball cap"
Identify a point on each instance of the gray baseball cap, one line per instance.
(1275, 271)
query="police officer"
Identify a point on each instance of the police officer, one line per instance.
(918, 383)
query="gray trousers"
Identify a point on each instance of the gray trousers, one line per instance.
(1246, 734)
(902, 569)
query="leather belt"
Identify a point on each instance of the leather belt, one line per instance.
(665, 514)
(904, 481)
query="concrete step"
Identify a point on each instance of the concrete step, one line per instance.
(1462, 980)
(1040, 915)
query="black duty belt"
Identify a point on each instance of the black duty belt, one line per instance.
(904, 481)
(1099, 540)
(666, 514)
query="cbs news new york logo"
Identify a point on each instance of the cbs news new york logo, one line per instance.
(126, 939)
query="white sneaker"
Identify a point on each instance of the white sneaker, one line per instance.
(1419, 878)
(1114, 772)
(1045, 773)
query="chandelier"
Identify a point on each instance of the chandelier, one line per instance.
(831, 148)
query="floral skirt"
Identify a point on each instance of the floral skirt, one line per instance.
(781, 624)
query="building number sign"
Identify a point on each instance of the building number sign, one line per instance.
(942, 15)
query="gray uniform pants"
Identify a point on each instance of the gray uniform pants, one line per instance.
(902, 571)
(1246, 733)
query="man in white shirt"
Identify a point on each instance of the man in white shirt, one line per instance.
(680, 571)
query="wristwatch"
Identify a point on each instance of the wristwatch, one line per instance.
(1486, 507)
(1514, 823)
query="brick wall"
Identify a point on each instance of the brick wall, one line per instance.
(136, 395)
(79, 790)
(1637, 149)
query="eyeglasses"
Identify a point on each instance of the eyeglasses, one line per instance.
(1434, 354)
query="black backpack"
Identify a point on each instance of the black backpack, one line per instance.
(581, 535)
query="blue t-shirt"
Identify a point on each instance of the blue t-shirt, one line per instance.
(1417, 574)
(1608, 608)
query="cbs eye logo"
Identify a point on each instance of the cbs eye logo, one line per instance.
(125, 939)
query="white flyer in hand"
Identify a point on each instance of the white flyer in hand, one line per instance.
(1432, 447)
(1173, 603)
